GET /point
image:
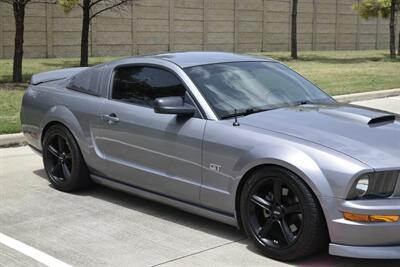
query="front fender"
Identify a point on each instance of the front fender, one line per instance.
(288, 157)
(325, 171)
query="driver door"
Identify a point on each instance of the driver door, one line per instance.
(160, 153)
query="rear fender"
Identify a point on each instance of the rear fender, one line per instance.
(62, 114)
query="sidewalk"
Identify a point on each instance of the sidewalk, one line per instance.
(7, 140)
(390, 104)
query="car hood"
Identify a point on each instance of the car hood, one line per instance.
(371, 136)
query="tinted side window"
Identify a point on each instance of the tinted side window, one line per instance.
(142, 85)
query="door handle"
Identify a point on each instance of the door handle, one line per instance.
(110, 119)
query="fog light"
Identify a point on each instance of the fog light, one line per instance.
(370, 218)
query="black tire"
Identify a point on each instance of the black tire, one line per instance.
(277, 228)
(63, 161)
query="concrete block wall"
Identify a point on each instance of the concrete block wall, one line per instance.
(151, 26)
(220, 25)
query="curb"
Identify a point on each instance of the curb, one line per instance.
(7, 140)
(367, 96)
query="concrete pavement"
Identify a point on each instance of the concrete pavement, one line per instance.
(103, 227)
(367, 95)
(391, 104)
(7, 140)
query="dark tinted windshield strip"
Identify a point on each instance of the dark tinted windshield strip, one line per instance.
(231, 62)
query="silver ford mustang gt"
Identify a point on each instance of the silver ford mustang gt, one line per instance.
(239, 139)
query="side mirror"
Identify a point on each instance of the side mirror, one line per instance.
(173, 105)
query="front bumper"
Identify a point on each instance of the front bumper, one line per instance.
(390, 252)
(379, 240)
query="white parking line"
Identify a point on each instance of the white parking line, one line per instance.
(31, 252)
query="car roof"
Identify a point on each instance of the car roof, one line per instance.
(191, 59)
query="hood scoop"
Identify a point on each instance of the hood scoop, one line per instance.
(369, 118)
(382, 119)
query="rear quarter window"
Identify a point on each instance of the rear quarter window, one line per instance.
(86, 81)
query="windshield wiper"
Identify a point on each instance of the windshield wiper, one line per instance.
(304, 102)
(245, 113)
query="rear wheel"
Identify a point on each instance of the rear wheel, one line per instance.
(281, 215)
(63, 161)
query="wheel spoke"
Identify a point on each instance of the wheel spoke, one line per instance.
(53, 151)
(263, 203)
(56, 168)
(68, 156)
(287, 233)
(266, 228)
(60, 141)
(66, 171)
(294, 208)
(277, 192)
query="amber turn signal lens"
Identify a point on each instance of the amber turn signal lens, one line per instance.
(384, 218)
(370, 218)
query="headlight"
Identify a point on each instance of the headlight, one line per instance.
(374, 185)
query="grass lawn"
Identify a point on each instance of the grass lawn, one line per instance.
(346, 72)
(10, 102)
(337, 72)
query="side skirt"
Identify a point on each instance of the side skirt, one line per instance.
(185, 206)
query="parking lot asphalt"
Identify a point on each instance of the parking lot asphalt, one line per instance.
(103, 227)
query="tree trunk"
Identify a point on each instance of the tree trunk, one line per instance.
(398, 41)
(19, 15)
(85, 34)
(294, 30)
(392, 29)
(398, 48)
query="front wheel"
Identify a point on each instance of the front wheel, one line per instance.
(281, 215)
(63, 161)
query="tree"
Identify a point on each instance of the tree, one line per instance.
(19, 16)
(385, 9)
(90, 9)
(294, 30)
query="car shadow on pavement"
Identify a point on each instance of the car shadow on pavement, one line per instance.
(209, 226)
(157, 209)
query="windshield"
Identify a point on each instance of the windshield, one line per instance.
(249, 87)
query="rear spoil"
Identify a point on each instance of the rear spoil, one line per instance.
(54, 75)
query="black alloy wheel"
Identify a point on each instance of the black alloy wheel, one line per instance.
(275, 212)
(63, 161)
(59, 158)
(280, 214)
